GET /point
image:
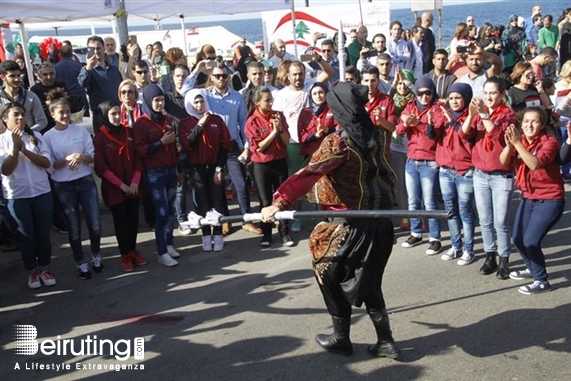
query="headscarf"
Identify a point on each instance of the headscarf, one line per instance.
(315, 108)
(425, 82)
(104, 108)
(189, 100)
(150, 92)
(465, 91)
(347, 102)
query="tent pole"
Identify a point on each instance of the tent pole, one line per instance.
(29, 65)
(122, 23)
(341, 51)
(183, 28)
(293, 28)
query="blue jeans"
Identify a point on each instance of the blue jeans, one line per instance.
(180, 201)
(71, 195)
(34, 219)
(237, 172)
(458, 194)
(162, 184)
(493, 195)
(8, 227)
(421, 178)
(534, 218)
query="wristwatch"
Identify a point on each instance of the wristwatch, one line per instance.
(218, 169)
(485, 116)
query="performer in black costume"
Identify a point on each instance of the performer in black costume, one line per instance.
(349, 172)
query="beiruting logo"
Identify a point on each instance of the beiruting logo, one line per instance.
(26, 344)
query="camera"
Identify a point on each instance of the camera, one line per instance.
(463, 49)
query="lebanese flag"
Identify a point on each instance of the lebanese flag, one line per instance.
(193, 30)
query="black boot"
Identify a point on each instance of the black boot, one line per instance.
(490, 265)
(385, 346)
(339, 341)
(504, 269)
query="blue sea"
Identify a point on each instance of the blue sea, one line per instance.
(493, 12)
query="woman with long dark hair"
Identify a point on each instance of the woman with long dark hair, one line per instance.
(23, 156)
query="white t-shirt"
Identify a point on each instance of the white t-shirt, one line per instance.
(60, 143)
(28, 179)
(290, 103)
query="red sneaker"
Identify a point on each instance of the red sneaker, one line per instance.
(126, 263)
(137, 258)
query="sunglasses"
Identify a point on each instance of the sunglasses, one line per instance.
(326, 50)
(530, 76)
(127, 92)
(211, 58)
(425, 92)
(218, 76)
(141, 72)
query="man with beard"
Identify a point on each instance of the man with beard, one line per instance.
(441, 77)
(255, 75)
(290, 101)
(384, 67)
(100, 80)
(279, 53)
(47, 74)
(354, 48)
(477, 75)
(111, 55)
(328, 53)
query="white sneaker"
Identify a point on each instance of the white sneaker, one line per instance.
(47, 278)
(34, 280)
(467, 258)
(206, 243)
(451, 254)
(218, 243)
(184, 230)
(172, 252)
(167, 260)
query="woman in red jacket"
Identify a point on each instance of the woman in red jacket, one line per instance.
(120, 171)
(268, 134)
(206, 139)
(155, 144)
(316, 121)
(535, 152)
(454, 157)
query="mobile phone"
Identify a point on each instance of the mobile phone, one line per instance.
(211, 64)
(463, 49)
(372, 53)
(306, 57)
(133, 39)
(90, 52)
(322, 35)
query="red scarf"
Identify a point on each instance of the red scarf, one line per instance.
(415, 131)
(488, 144)
(161, 127)
(374, 103)
(448, 139)
(122, 145)
(523, 170)
(205, 139)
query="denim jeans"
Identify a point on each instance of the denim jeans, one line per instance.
(72, 194)
(493, 195)
(458, 194)
(161, 184)
(533, 220)
(237, 172)
(180, 201)
(33, 217)
(8, 227)
(421, 178)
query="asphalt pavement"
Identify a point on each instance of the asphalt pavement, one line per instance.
(248, 313)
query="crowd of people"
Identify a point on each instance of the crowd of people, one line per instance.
(409, 127)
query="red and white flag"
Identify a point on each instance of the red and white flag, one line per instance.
(167, 35)
(193, 30)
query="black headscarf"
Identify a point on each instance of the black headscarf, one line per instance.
(425, 82)
(347, 102)
(315, 108)
(465, 91)
(149, 93)
(104, 108)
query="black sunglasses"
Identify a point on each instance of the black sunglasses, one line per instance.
(326, 50)
(141, 71)
(218, 76)
(127, 91)
(425, 92)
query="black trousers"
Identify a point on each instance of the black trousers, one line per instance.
(356, 272)
(207, 194)
(126, 223)
(269, 176)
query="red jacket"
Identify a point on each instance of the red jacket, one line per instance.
(307, 128)
(420, 146)
(489, 145)
(546, 182)
(210, 145)
(116, 163)
(257, 129)
(153, 153)
(388, 112)
(453, 150)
